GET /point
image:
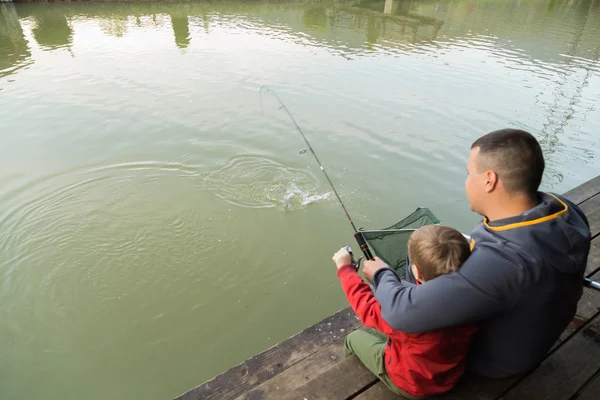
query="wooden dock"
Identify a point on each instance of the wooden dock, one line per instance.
(311, 365)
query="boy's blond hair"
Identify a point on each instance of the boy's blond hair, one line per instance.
(437, 250)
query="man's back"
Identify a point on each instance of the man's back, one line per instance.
(522, 281)
(548, 251)
(517, 340)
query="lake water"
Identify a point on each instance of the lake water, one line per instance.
(146, 243)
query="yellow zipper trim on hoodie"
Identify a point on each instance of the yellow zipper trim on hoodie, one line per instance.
(533, 222)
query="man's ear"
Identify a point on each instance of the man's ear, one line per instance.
(491, 180)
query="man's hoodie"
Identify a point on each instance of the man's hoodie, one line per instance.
(522, 282)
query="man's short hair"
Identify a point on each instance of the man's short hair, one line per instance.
(517, 158)
(437, 250)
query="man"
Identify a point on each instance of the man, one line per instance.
(523, 278)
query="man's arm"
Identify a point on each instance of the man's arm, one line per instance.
(486, 284)
(361, 298)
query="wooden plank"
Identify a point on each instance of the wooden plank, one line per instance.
(278, 358)
(300, 373)
(378, 392)
(590, 204)
(566, 370)
(426, 20)
(591, 208)
(475, 387)
(591, 391)
(593, 262)
(341, 381)
(397, 18)
(594, 221)
(584, 191)
(587, 308)
(589, 304)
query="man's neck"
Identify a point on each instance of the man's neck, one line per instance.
(511, 207)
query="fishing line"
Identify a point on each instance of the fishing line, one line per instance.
(357, 234)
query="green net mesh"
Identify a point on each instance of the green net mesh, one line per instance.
(390, 244)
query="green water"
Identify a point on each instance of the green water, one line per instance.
(145, 240)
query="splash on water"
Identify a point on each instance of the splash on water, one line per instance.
(296, 197)
(257, 182)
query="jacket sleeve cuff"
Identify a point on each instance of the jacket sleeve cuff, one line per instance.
(379, 273)
(344, 269)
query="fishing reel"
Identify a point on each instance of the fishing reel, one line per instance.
(353, 261)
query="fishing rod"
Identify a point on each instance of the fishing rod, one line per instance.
(357, 234)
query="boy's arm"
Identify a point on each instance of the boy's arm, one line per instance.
(361, 299)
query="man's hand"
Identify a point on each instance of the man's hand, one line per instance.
(341, 258)
(372, 266)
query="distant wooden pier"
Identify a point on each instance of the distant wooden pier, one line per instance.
(393, 11)
(311, 365)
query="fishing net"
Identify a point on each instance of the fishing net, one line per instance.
(391, 244)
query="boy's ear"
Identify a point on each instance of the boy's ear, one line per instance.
(416, 273)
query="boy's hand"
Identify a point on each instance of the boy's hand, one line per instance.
(371, 266)
(341, 258)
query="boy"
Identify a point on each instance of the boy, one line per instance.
(412, 365)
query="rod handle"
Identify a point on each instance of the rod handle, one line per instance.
(360, 239)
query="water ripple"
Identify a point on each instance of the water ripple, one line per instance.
(258, 182)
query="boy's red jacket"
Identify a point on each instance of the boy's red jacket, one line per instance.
(420, 364)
